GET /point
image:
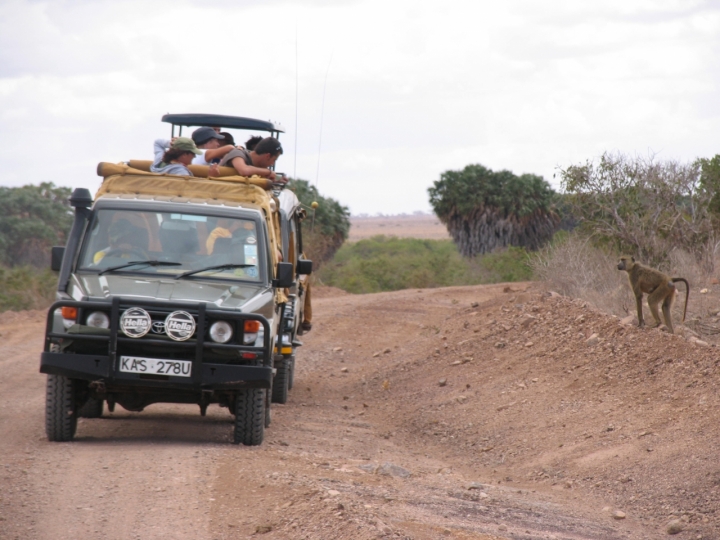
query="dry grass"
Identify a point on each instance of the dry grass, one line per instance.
(575, 267)
(414, 226)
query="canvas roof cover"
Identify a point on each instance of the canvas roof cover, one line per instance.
(123, 180)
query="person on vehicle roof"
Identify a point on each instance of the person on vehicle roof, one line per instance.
(212, 144)
(257, 161)
(252, 142)
(228, 139)
(173, 157)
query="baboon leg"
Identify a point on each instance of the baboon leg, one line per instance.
(667, 304)
(638, 301)
(658, 295)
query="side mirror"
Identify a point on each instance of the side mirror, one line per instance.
(56, 256)
(284, 275)
(304, 267)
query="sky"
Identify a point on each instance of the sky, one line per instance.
(378, 97)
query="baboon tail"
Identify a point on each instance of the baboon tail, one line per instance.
(687, 293)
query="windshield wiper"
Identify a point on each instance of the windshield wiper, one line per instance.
(133, 263)
(216, 267)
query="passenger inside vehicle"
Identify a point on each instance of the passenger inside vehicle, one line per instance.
(224, 230)
(179, 239)
(125, 241)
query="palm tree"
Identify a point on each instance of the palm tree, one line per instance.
(484, 210)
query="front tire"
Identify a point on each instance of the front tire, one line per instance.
(249, 416)
(93, 408)
(60, 413)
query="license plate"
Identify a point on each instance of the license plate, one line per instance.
(155, 366)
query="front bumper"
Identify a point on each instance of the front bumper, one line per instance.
(105, 367)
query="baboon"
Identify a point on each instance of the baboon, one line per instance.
(659, 288)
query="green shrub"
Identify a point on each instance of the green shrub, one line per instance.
(326, 227)
(33, 218)
(26, 287)
(510, 264)
(383, 263)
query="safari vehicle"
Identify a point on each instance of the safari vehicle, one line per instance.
(154, 305)
(291, 216)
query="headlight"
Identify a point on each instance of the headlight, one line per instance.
(98, 319)
(221, 332)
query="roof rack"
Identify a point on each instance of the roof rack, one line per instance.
(221, 121)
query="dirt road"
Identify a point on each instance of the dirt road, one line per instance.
(476, 412)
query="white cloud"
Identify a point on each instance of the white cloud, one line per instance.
(413, 88)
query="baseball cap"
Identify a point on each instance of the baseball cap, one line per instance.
(183, 143)
(269, 145)
(204, 134)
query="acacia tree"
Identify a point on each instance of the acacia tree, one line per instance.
(647, 208)
(484, 210)
(326, 227)
(33, 218)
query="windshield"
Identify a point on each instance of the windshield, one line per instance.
(171, 244)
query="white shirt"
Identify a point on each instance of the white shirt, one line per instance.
(200, 158)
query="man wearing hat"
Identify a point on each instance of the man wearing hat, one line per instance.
(210, 143)
(173, 157)
(257, 161)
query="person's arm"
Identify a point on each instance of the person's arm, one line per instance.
(244, 169)
(159, 148)
(217, 153)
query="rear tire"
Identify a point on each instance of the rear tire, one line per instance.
(93, 408)
(291, 375)
(249, 416)
(280, 383)
(60, 413)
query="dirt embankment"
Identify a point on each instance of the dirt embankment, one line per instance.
(470, 412)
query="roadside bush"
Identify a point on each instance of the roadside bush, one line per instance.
(26, 287)
(326, 227)
(645, 208)
(32, 219)
(383, 263)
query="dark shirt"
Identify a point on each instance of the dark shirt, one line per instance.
(232, 154)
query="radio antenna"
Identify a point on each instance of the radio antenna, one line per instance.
(322, 117)
(296, 102)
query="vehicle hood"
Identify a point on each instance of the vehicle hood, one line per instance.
(222, 294)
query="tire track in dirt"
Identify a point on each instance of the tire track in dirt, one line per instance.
(363, 380)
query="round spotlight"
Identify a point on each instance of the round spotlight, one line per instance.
(98, 319)
(221, 332)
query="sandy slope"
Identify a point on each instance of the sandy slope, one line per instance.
(472, 412)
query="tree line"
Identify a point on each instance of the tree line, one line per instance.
(35, 217)
(636, 205)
